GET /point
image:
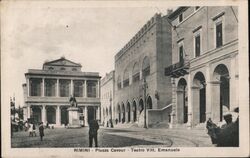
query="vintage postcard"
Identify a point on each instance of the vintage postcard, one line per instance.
(124, 78)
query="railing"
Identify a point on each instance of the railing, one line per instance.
(177, 69)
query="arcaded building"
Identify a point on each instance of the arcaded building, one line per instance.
(146, 55)
(107, 97)
(205, 63)
(47, 92)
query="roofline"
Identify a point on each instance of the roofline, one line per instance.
(61, 59)
(40, 74)
(176, 12)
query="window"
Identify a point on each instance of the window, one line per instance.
(35, 87)
(78, 88)
(50, 87)
(180, 18)
(219, 35)
(136, 73)
(92, 89)
(64, 88)
(197, 45)
(146, 67)
(181, 52)
(51, 68)
(119, 83)
(74, 69)
(62, 68)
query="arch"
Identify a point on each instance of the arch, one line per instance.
(37, 113)
(221, 76)
(126, 78)
(134, 109)
(119, 82)
(146, 66)
(199, 97)
(136, 72)
(149, 103)
(64, 115)
(123, 113)
(119, 112)
(182, 106)
(51, 115)
(141, 105)
(128, 111)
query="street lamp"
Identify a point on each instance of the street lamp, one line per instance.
(145, 86)
(111, 122)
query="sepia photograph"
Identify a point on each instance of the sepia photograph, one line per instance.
(124, 78)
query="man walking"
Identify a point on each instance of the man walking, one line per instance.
(93, 128)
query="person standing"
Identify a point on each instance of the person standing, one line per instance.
(30, 130)
(93, 128)
(41, 131)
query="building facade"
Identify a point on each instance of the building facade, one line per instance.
(47, 92)
(205, 63)
(107, 98)
(145, 56)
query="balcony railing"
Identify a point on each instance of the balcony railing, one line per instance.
(178, 69)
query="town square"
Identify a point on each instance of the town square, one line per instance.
(153, 77)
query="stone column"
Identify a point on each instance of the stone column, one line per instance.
(85, 86)
(43, 87)
(44, 119)
(28, 87)
(71, 87)
(28, 111)
(208, 93)
(180, 106)
(215, 87)
(86, 115)
(57, 88)
(232, 84)
(173, 113)
(58, 115)
(190, 105)
(98, 89)
(196, 104)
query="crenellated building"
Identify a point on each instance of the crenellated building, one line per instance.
(205, 63)
(47, 92)
(145, 56)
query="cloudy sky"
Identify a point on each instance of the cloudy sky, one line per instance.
(86, 33)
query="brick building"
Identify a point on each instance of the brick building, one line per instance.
(107, 97)
(145, 56)
(47, 92)
(205, 63)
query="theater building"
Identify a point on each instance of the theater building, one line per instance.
(107, 97)
(205, 64)
(145, 56)
(47, 92)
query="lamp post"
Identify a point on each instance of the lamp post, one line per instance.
(145, 86)
(111, 122)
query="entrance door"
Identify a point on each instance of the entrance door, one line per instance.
(202, 105)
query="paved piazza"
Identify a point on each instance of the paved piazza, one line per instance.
(115, 137)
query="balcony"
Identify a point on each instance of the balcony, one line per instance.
(178, 69)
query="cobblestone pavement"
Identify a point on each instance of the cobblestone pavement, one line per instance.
(114, 137)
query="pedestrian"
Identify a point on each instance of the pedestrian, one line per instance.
(41, 131)
(212, 130)
(116, 121)
(93, 128)
(30, 130)
(26, 125)
(34, 130)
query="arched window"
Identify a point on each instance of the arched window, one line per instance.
(126, 78)
(146, 67)
(136, 73)
(62, 69)
(51, 68)
(119, 82)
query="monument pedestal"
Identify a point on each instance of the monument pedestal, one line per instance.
(74, 121)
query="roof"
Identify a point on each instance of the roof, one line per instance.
(62, 62)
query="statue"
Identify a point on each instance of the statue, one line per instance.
(72, 101)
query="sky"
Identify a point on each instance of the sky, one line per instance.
(86, 33)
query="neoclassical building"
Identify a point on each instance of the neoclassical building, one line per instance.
(205, 63)
(145, 56)
(47, 92)
(107, 97)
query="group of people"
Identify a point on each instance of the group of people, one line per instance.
(228, 134)
(31, 128)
